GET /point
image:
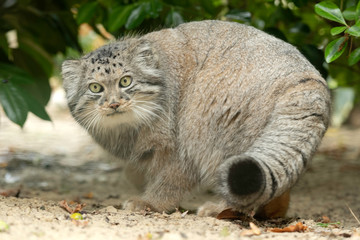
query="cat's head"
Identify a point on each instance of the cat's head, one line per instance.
(119, 83)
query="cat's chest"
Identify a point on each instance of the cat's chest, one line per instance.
(119, 142)
(132, 144)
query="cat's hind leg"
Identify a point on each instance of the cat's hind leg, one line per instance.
(211, 209)
(281, 153)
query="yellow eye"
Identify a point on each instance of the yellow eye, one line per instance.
(96, 88)
(125, 81)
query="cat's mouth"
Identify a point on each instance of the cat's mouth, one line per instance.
(115, 113)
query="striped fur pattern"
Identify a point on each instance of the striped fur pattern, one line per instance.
(210, 103)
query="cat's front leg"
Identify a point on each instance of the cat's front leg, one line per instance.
(137, 204)
(164, 191)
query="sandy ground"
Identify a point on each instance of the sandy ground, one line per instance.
(47, 162)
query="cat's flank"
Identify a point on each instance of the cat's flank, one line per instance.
(211, 102)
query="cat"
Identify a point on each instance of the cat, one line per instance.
(206, 103)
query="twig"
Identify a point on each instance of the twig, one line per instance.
(351, 211)
(77, 208)
(341, 5)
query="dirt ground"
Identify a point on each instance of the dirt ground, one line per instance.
(46, 162)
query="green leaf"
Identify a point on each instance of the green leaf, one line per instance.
(40, 88)
(155, 7)
(357, 11)
(118, 17)
(34, 105)
(9, 71)
(355, 29)
(4, 46)
(350, 14)
(136, 17)
(325, 225)
(354, 57)
(86, 12)
(173, 19)
(15, 98)
(337, 30)
(330, 11)
(239, 15)
(67, 28)
(335, 48)
(212, 6)
(13, 103)
(38, 54)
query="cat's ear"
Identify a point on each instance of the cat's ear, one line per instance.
(70, 70)
(145, 54)
(71, 74)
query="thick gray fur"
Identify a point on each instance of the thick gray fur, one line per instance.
(206, 97)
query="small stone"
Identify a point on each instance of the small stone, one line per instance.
(108, 209)
(76, 216)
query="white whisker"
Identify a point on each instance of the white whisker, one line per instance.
(89, 118)
(147, 111)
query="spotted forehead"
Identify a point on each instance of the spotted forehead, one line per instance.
(107, 60)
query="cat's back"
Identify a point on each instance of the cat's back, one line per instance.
(231, 52)
(247, 48)
(238, 65)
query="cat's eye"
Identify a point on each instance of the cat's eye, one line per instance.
(96, 88)
(125, 81)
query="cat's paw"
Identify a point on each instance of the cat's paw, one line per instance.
(137, 204)
(210, 209)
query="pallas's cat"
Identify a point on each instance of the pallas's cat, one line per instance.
(206, 103)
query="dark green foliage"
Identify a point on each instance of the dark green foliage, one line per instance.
(15, 98)
(323, 32)
(350, 29)
(42, 29)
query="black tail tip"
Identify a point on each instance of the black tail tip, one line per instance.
(246, 177)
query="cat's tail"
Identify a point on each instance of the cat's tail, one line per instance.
(282, 152)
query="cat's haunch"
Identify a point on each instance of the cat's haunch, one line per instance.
(211, 103)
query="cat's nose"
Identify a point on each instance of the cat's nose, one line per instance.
(114, 105)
